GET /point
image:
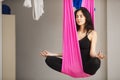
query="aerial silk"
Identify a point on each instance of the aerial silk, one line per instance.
(72, 61)
(89, 4)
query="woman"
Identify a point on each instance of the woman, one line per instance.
(87, 41)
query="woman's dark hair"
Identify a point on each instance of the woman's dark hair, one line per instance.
(89, 24)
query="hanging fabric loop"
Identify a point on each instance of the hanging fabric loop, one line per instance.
(72, 61)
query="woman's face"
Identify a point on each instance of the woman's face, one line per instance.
(80, 18)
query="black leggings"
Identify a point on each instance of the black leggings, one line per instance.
(90, 67)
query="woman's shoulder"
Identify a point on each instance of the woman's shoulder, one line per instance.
(92, 32)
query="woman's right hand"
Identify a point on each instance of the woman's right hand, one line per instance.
(45, 53)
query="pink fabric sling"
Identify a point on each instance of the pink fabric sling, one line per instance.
(72, 61)
(89, 4)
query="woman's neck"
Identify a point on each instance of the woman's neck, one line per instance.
(82, 29)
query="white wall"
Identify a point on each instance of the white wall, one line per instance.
(0, 43)
(113, 39)
(34, 36)
(101, 27)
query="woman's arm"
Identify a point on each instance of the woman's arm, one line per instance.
(93, 35)
(93, 46)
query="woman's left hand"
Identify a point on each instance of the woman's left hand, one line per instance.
(100, 55)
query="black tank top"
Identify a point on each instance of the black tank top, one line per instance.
(85, 45)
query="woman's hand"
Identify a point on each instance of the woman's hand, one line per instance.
(100, 55)
(45, 53)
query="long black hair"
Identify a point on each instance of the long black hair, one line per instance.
(88, 24)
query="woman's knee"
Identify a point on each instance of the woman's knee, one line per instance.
(48, 59)
(95, 60)
(92, 66)
(54, 62)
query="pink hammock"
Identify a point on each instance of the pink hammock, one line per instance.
(89, 4)
(72, 61)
